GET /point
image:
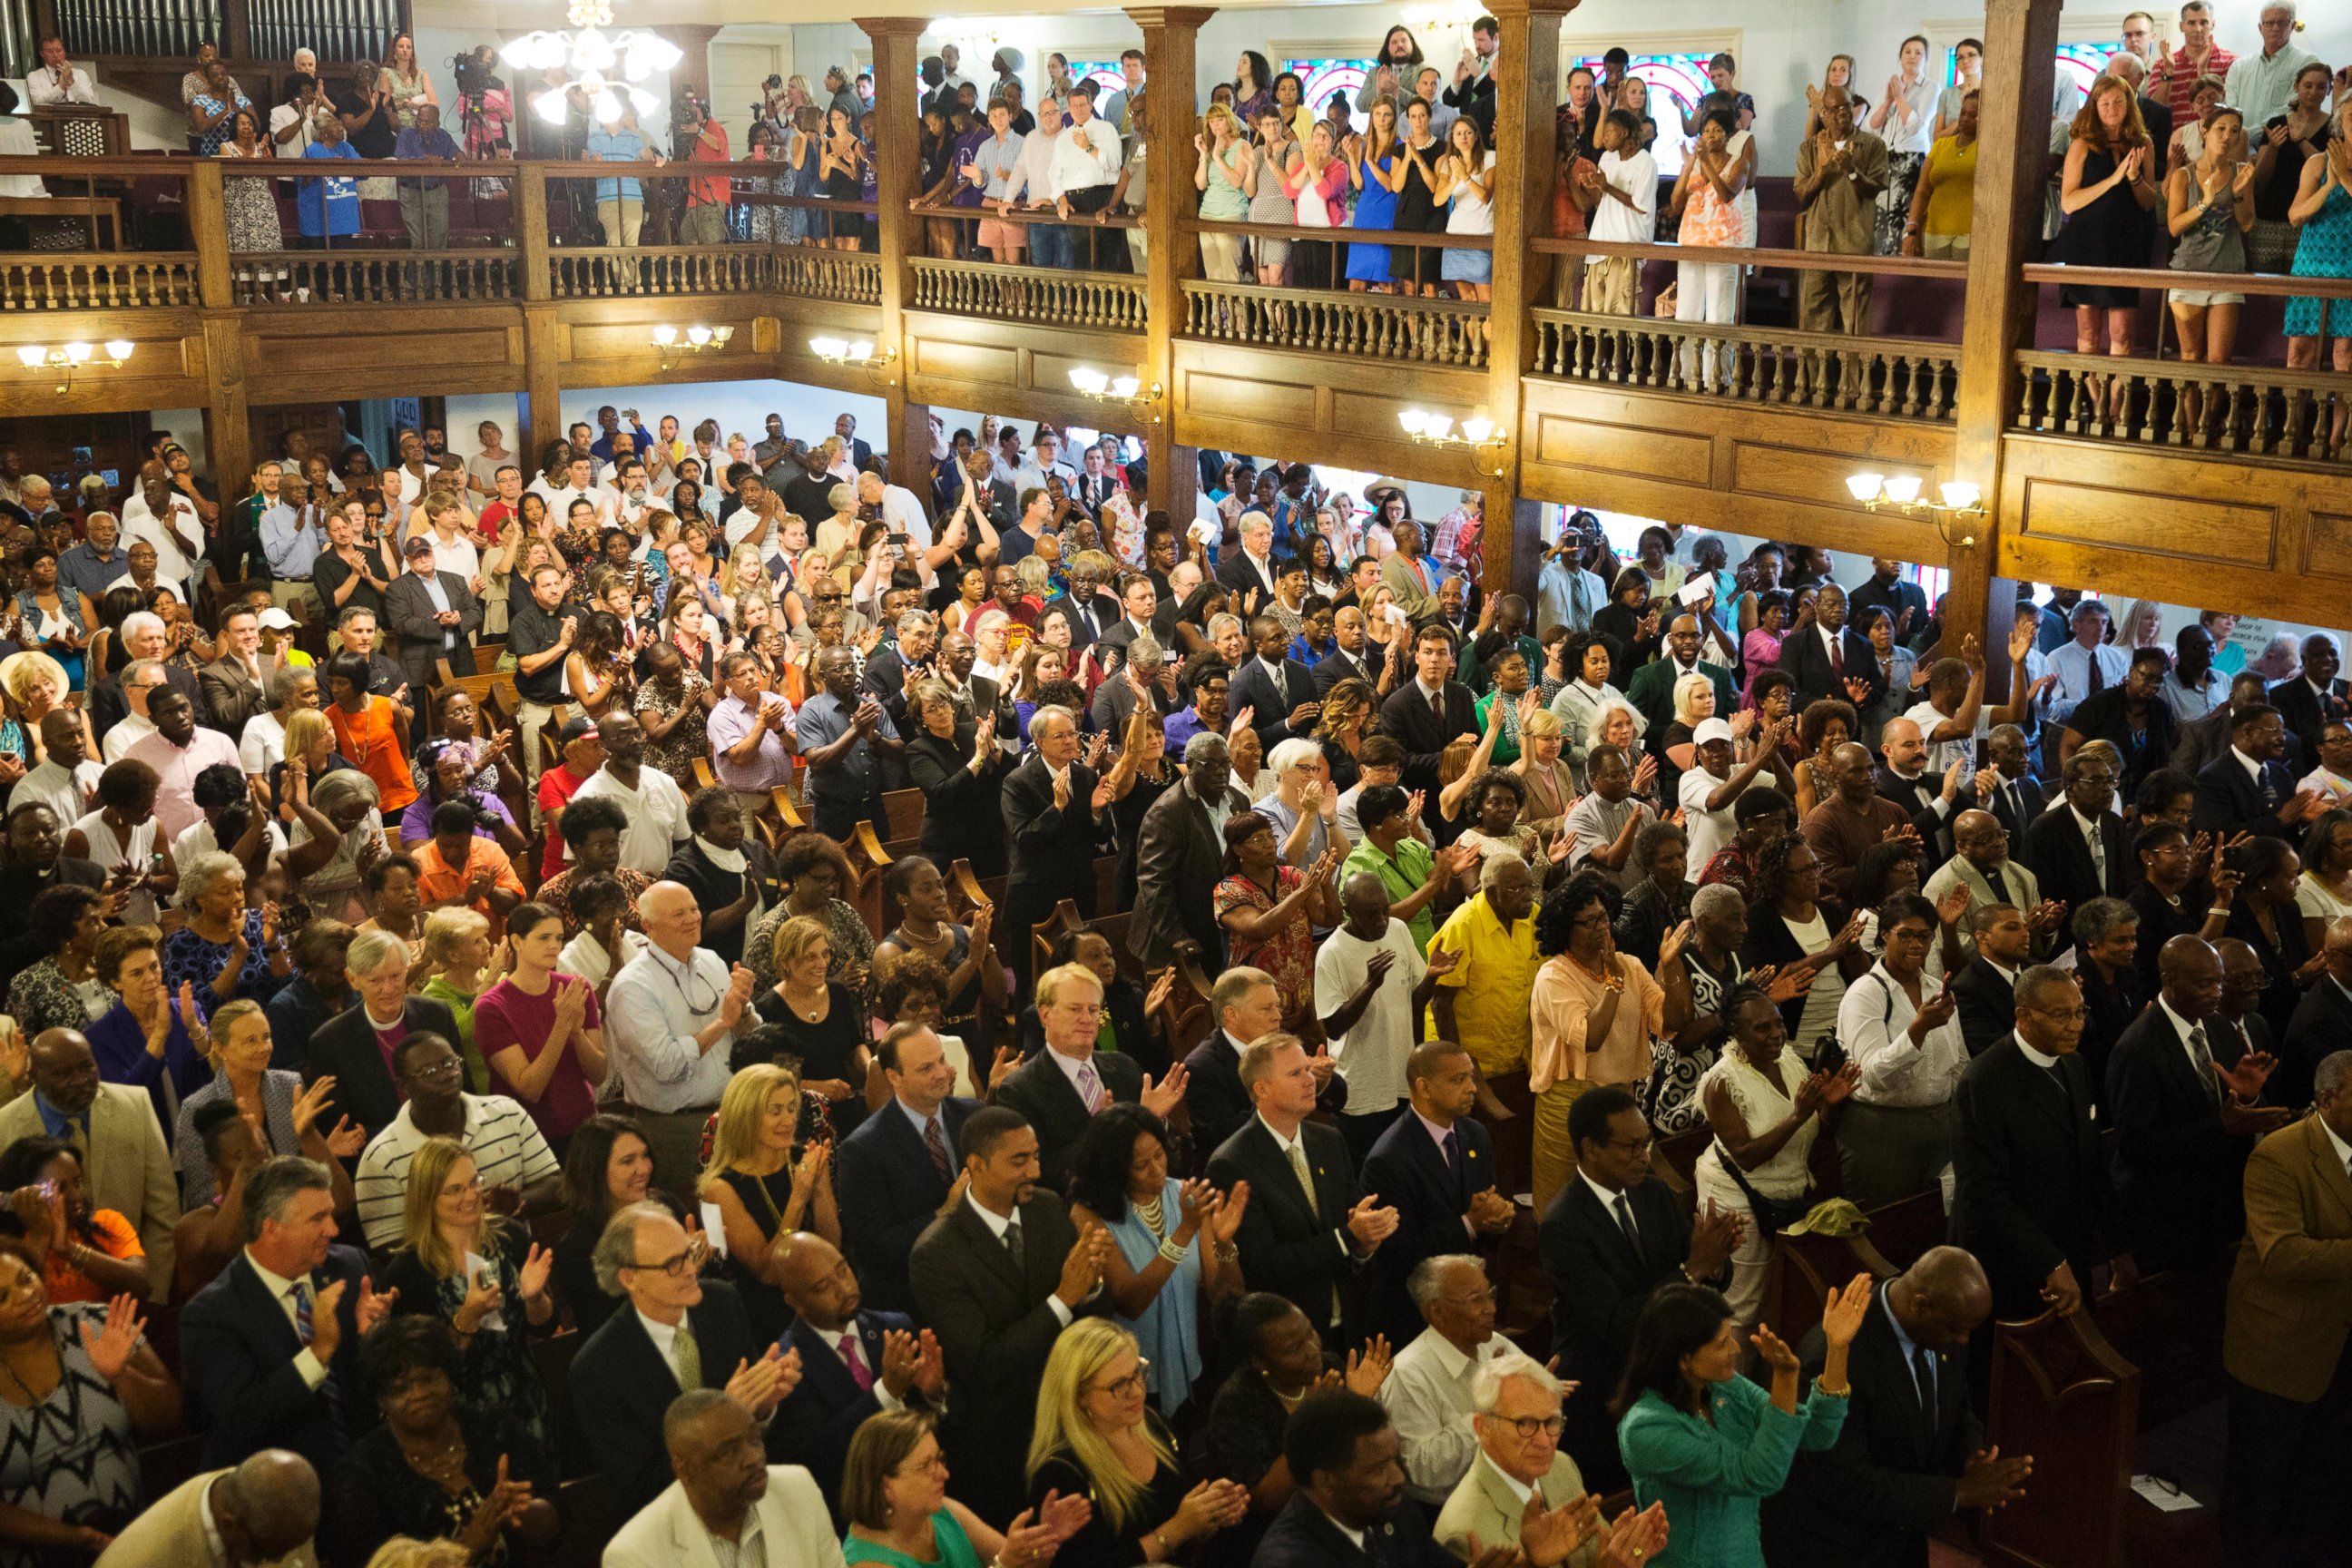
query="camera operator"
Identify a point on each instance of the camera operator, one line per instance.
(485, 108)
(699, 139)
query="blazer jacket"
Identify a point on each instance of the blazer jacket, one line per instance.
(1483, 1505)
(2176, 1172)
(1651, 694)
(2304, 711)
(995, 1329)
(1987, 1004)
(2321, 1023)
(889, 1194)
(2017, 806)
(2289, 1312)
(1253, 688)
(1408, 718)
(621, 1387)
(1040, 1090)
(1873, 1498)
(2033, 1190)
(231, 695)
(1294, 1250)
(1179, 859)
(344, 1048)
(2229, 802)
(159, 1536)
(1050, 851)
(2061, 860)
(1601, 1278)
(1807, 662)
(794, 1528)
(1302, 1536)
(236, 1353)
(1408, 1170)
(408, 614)
(887, 678)
(1106, 610)
(128, 1169)
(1339, 665)
(814, 1423)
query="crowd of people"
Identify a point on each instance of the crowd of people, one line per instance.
(309, 931)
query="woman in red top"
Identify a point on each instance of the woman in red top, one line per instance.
(1269, 910)
(370, 731)
(541, 1031)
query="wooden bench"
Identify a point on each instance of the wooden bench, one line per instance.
(2063, 1394)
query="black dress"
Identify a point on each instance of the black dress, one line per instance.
(964, 818)
(827, 1049)
(963, 1007)
(2112, 231)
(381, 1496)
(1099, 1545)
(1127, 819)
(765, 1199)
(1418, 211)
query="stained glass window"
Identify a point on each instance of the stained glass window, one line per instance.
(1325, 76)
(1105, 74)
(1676, 83)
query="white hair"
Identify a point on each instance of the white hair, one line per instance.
(139, 622)
(1487, 1385)
(1290, 753)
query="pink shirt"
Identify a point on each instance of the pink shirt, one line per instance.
(506, 1016)
(175, 801)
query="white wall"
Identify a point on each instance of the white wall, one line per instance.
(738, 406)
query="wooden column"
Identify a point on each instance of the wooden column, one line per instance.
(2012, 156)
(228, 425)
(208, 216)
(1172, 35)
(1526, 161)
(693, 72)
(541, 378)
(898, 163)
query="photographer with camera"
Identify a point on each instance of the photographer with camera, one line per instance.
(699, 139)
(485, 108)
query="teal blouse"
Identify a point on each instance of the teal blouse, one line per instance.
(1712, 1475)
(954, 1548)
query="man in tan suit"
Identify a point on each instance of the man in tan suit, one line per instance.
(124, 1161)
(264, 1511)
(726, 1491)
(2284, 1343)
(1523, 1491)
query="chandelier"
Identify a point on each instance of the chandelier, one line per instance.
(607, 66)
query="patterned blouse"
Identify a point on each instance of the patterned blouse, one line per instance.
(676, 753)
(845, 928)
(74, 1457)
(188, 956)
(1289, 953)
(41, 997)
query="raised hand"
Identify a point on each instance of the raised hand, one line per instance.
(1370, 1224)
(374, 1306)
(1369, 1368)
(538, 1264)
(1225, 1218)
(483, 1297)
(310, 1104)
(110, 1348)
(1670, 946)
(1634, 1537)
(1162, 1100)
(1776, 1355)
(1841, 1316)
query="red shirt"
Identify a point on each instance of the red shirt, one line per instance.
(2174, 83)
(493, 517)
(557, 785)
(715, 190)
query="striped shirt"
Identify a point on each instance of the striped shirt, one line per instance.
(506, 1146)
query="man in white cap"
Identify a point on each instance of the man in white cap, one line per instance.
(1709, 788)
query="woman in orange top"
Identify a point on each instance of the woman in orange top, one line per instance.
(370, 731)
(1595, 1011)
(87, 1255)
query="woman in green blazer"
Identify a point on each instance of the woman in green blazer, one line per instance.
(1706, 1441)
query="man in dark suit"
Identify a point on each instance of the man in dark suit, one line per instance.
(2016, 797)
(1249, 570)
(998, 1277)
(1063, 1087)
(854, 1362)
(1180, 857)
(270, 1347)
(2322, 1022)
(2075, 850)
(1427, 713)
(1906, 603)
(2182, 1119)
(1651, 689)
(1613, 1235)
(434, 615)
(2314, 695)
(346, 1046)
(894, 665)
(2249, 788)
(1831, 659)
(1909, 1455)
(860, 452)
(1091, 611)
(1344, 1459)
(1299, 1238)
(896, 1170)
(2202, 740)
(1138, 605)
(1138, 683)
(1985, 991)
(624, 1377)
(1278, 690)
(1347, 659)
(1435, 1166)
(1051, 802)
(2034, 1201)
(1246, 1004)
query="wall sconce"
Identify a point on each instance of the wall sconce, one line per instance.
(845, 350)
(1125, 390)
(1957, 501)
(674, 344)
(1478, 433)
(67, 359)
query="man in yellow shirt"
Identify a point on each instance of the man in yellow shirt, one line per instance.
(1482, 1004)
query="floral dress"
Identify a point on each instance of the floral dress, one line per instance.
(1289, 953)
(499, 1373)
(188, 957)
(251, 210)
(675, 753)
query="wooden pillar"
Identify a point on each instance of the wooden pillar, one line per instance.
(2012, 154)
(693, 72)
(228, 423)
(542, 378)
(208, 216)
(1172, 37)
(898, 163)
(1526, 161)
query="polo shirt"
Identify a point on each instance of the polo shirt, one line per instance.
(506, 1144)
(1402, 876)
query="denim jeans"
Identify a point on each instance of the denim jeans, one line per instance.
(1049, 246)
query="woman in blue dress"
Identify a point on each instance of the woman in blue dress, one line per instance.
(2323, 209)
(1175, 1243)
(1376, 169)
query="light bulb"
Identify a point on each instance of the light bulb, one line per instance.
(1959, 494)
(698, 336)
(549, 106)
(1439, 427)
(1478, 430)
(79, 353)
(31, 356)
(1413, 420)
(861, 349)
(1903, 489)
(592, 50)
(1865, 487)
(645, 102)
(606, 105)
(1089, 380)
(119, 349)
(828, 348)
(719, 335)
(1125, 386)
(665, 336)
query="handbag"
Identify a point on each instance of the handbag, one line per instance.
(1773, 1215)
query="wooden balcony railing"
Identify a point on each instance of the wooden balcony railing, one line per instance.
(43, 281)
(1105, 302)
(1892, 378)
(843, 276)
(1401, 327)
(293, 278)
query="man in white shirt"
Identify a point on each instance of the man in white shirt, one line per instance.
(2263, 84)
(900, 513)
(580, 484)
(651, 799)
(142, 679)
(1032, 187)
(670, 1017)
(727, 1506)
(1624, 190)
(1085, 170)
(67, 782)
(160, 515)
(2086, 665)
(57, 79)
(950, 79)
(1708, 791)
(1427, 1391)
(1953, 715)
(1032, 474)
(1370, 985)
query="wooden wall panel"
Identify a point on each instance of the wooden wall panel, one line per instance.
(1342, 411)
(1607, 447)
(166, 369)
(2327, 544)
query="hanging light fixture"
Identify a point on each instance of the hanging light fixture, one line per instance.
(609, 67)
(67, 359)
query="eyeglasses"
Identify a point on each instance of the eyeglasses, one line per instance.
(1526, 1427)
(1121, 1388)
(677, 1267)
(2063, 1015)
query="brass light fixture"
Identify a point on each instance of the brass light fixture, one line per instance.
(67, 360)
(675, 343)
(1485, 439)
(1957, 501)
(851, 352)
(1127, 391)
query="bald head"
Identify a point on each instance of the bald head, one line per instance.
(64, 1069)
(267, 1508)
(1942, 1298)
(692, 1416)
(2339, 935)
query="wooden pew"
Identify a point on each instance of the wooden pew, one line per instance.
(1806, 1268)
(2170, 1326)
(904, 808)
(2063, 1394)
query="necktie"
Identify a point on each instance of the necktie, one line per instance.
(1306, 1177)
(1923, 1370)
(1017, 1247)
(1625, 1221)
(2203, 1056)
(2096, 840)
(935, 1143)
(1437, 705)
(1837, 656)
(1453, 1147)
(2098, 676)
(303, 1327)
(2268, 790)
(690, 1357)
(1090, 1088)
(856, 1363)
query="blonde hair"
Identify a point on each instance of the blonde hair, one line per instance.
(406, 1552)
(20, 671)
(1081, 1351)
(743, 566)
(445, 928)
(794, 938)
(304, 729)
(1209, 121)
(428, 1169)
(1686, 689)
(740, 1110)
(1541, 725)
(1050, 984)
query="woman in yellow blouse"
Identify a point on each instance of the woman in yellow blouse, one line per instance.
(1944, 204)
(1595, 1011)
